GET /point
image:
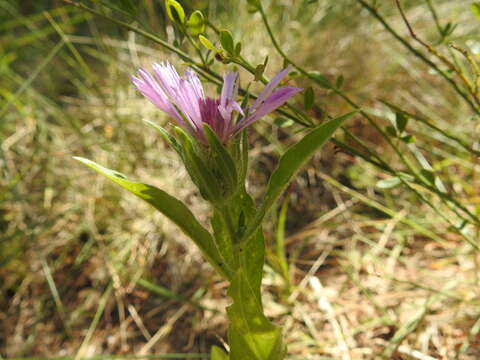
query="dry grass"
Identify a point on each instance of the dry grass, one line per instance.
(78, 256)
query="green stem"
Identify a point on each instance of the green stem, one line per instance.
(227, 218)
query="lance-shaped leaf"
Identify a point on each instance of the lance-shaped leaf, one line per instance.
(290, 163)
(173, 209)
(251, 335)
(167, 137)
(218, 354)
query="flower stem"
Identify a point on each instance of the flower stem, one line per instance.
(227, 218)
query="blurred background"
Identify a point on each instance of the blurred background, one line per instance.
(362, 266)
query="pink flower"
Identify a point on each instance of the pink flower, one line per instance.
(184, 100)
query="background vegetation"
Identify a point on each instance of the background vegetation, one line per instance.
(377, 256)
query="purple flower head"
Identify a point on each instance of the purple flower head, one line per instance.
(184, 100)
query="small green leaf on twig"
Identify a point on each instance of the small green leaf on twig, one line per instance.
(308, 98)
(428, 175)
(283, 122)
(206, 43)
(320, 79)
(259, 72)
(196, 23)
(339, 82)
(389, 183)
(475, 8)
(226, 39)
(238, 48)
(401, 121)
(391, 131)
(408, 139)
(175, 11)
(254, 3)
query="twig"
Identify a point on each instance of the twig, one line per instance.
(419, 55)
(473, 64)
(438, 55)
(418, 176)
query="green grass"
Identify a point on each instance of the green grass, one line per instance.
(89, 271)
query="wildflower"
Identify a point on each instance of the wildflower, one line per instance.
(184, 100)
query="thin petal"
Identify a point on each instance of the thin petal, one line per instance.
(186, 94)
(268, 90)
(167, 77)
(236, 107)
(277, 99)
(189, 103)
(149, 87)
(197, 87)
(229, 81)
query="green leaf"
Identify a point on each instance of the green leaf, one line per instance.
(251, 335)
(308, 98)
(265, 61)
(290, 163)
(238, 48)
(391, 131)
(252, 252)
(428, 175)
(401, 121)
(389, 183)
(320, 79)
(218, 354)
(475, 8)
(196, 23)
(283, 122)
(226, 40)
(339, 82)
(173, 209)
(166, 136)
(175, 11)
(222, 238)
(207, 43)
(449, 29)
(254, 3)
(244, 156)
(408, 139)
(259, 72)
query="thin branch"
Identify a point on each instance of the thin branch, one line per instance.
(419, 54)
(438, 55)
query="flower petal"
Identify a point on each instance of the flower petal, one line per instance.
(195, 83)
(150, 88)
(185, 94)
(229, 81)
(275, 100)
(167, 76)
(267, 91)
